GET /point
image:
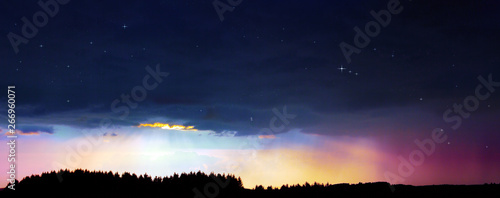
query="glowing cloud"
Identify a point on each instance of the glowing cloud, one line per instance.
(169, 127)
(19, 132)
(267, 137)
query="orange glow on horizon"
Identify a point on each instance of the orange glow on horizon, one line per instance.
(169, 127)
(352, 163)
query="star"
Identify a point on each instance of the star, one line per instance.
(67, 100)
(124, 26)
(91, 42)
(356, 73)
(41, 45)
(341, 68)
(67, 66)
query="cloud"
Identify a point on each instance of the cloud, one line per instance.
(226, 134)
(31, 130)
(267, 136)
(114, 134)
(19, 132)
(169, 127)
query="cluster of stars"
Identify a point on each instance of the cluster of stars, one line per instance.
(342, 68)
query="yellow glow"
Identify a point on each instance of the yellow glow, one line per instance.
(267, 136)
(169, 127)
(295, 166)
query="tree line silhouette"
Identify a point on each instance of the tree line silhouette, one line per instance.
(85, 183)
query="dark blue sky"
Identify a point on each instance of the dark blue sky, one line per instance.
(228, 75)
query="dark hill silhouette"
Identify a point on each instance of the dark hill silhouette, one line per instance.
(84, 183)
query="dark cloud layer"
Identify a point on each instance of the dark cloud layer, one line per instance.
(228, 76)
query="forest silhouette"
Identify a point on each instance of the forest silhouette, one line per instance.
(85, 183)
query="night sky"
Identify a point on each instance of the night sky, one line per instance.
(345, 121)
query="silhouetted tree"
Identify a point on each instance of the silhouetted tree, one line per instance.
(85, 183)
